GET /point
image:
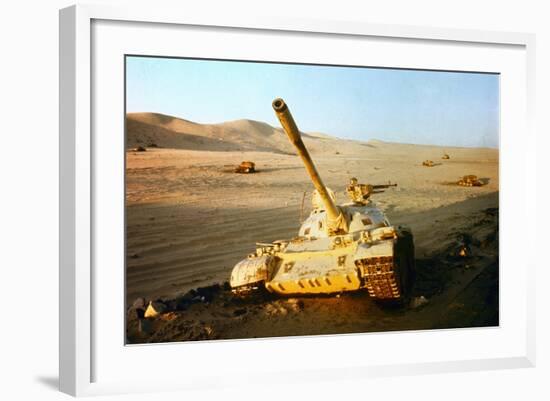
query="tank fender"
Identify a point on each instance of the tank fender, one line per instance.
(253, 271)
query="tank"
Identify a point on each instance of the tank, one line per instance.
(470, 181)
(246, 167)
(339, 248)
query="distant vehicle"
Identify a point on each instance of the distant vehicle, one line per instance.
(470, 181)
(246, 167)
(347, 247)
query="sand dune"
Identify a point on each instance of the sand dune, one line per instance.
(146, 129)
(159, 130)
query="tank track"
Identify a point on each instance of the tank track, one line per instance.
(380, 279)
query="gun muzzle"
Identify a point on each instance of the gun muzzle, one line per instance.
(287, 121)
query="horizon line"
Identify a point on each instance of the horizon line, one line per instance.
(371, 139)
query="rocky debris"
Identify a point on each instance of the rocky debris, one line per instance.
(187, 330)
(282, 307)
(417, 302)
(158, 320)
(194, 296)
(140, 149)
(139, 313)
(139, 303)
(209, 331)
(295, 304)
(246, 167)
(137, 309)
(464, 248)
(445, 157)
(208, 292)
(168, 316)
(463, 251)
(180, 303)
(145, 327)
(159, 307)
(428, 163)
(275, 309)
(154, 309)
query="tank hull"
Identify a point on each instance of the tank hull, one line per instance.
(383, 267)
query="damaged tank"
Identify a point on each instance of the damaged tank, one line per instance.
(339, 248)
(470, 181)
(246, 167)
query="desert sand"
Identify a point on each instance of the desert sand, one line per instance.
(190, 219)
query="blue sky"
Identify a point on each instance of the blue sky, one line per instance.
(425, 107)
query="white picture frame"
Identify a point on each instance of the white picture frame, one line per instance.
(79, 341)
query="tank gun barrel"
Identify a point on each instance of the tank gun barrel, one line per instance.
(383, 186)
(287, 121)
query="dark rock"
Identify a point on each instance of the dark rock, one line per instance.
(171, 305)
(140, 313)
(239, 312)
(208, 293)
(179, 304)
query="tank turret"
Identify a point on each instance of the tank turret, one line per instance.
(360, 193)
